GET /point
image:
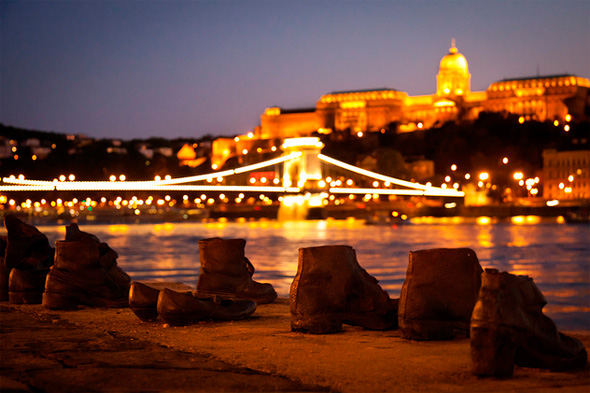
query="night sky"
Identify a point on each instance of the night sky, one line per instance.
(140, 69)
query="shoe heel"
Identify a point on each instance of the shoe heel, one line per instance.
(25, 297)
(317, 324)
(493, 351)
(146, 314)
(179, 319)
(60, 301)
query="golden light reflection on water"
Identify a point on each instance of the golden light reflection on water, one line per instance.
(168, 227)
(215, 225)
(118, 228)
(525, 220)
(483, 220)
(518, 241)
(484, 238)
(554, 309)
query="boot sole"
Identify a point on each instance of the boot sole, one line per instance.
(180, 319)
(146, 314)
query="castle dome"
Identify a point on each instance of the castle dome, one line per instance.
(454, 61)
(453, 77)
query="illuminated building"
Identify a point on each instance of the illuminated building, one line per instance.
(556, 97)
(566, 174)
(188, 157)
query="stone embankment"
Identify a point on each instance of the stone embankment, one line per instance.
(112, 350)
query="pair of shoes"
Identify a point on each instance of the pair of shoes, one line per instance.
(508, 328)
(225, 289)
(27, 258)
(180, 308)
(331, 289)
(227, 273)
(85, 272)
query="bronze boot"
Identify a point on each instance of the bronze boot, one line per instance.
(438, 294)
(85, 273)
(227, 273)
(179, 309)
(108, 256)
(508, 327)
(143, 297)
(331, 288)
(26, 264)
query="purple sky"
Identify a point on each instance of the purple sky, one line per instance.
(137, 69)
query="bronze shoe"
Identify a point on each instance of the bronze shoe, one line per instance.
(227, 273)
(438, 294)
(180, 309)
(143, 297)
(26, 263)
(85, 273)
(508, 328)
(331, 288)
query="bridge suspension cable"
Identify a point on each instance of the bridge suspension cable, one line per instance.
(152, 185)
(418, 189)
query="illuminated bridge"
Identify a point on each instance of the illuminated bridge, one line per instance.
(302, 173)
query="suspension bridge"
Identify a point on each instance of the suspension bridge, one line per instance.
(302, 164)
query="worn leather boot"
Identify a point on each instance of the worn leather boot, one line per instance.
(108, 256)
(143, 297)
(26, 263)
(331, 288)
(85, 273)
(227, 273)
(26, 286)
(179, 309)
(439, 293)
(508, 327)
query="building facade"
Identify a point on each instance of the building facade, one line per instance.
(535, 98)
(566, 174)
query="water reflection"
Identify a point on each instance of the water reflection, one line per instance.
(557, 256)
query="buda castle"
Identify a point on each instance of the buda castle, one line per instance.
(555, 98)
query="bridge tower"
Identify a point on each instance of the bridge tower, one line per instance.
(305, 171)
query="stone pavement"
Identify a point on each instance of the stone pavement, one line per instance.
(40, 354)
(105, 350)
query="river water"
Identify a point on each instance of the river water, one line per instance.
(556, 256)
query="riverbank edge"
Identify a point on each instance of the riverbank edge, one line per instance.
(352, 361)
